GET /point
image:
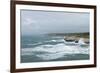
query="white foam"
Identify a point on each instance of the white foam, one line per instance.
(51, 56)
(53, 40)
(55, 51)
(81, 41)
(58, 40)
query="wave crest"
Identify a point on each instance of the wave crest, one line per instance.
(55, 51)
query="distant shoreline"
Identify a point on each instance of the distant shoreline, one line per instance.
(73, 36)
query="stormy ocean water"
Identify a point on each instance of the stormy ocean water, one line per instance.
(44, 48)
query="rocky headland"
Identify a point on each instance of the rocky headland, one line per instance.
(69, 37)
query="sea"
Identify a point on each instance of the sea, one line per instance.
(45, 48)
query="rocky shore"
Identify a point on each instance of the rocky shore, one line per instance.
(70, 37)
(76, 39)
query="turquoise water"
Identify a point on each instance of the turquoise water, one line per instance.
(44, 48)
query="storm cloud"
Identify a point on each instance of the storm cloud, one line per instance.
(43, 22)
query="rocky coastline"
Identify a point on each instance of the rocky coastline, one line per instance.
(70, 37)
(76, 39)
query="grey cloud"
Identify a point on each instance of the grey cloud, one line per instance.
(36, 22)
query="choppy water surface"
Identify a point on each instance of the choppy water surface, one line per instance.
(51, 48)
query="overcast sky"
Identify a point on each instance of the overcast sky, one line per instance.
(41, 22)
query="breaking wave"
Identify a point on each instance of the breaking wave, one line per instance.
(49, 52)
